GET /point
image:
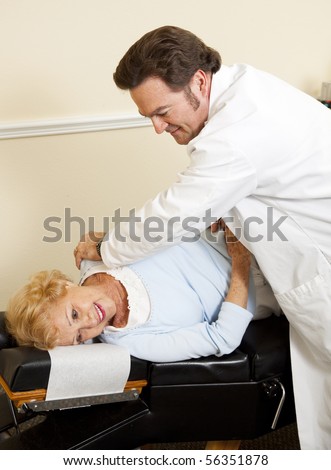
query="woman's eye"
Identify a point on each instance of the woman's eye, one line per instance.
(79, 338)
(74, 314)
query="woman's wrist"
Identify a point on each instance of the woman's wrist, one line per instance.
(239, 283)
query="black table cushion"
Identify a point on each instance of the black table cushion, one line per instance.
(263, 353)
(234, 367)
(267, 344)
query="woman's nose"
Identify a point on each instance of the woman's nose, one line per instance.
(89, 320)
(159, 124)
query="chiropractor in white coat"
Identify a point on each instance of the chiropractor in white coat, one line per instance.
(260, 157)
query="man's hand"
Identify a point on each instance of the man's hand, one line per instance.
(86, 248)
(216, 226)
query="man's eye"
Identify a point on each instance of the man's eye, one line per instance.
(74, 314)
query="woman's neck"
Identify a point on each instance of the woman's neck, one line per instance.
(116, 290)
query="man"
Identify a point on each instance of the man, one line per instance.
(261, 159)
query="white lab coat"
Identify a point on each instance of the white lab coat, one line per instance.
(263, 161)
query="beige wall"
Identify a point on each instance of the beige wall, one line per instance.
(57, 58)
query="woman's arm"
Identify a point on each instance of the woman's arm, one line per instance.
(199, 340)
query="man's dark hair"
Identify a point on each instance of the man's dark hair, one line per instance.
(170, 53)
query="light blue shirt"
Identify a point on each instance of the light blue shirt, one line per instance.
(187, 285)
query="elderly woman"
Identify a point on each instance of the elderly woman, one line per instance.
(188, 301)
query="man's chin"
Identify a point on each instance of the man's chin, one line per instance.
(181, 139)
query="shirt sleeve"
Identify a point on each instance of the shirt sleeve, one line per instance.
(200, 340)
(218, 177)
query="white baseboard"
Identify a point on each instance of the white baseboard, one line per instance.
(74, 125)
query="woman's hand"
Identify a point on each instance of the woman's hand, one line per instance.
(86, 248)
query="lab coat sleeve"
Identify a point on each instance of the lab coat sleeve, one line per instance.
(199, 340)
(217, 178)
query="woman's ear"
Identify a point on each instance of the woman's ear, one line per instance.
(69, 284)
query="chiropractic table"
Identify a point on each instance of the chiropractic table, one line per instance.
(239, 396)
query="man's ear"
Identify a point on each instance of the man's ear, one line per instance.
(201, 82)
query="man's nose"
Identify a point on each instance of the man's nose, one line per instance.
(159, 124)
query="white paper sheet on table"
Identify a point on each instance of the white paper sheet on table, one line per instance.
(87, 370)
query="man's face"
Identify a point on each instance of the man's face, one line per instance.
(180, 113)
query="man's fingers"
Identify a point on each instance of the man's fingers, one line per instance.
(216, 226)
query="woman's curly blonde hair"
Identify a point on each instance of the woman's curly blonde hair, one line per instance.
(27, 317)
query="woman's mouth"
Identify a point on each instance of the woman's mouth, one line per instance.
(100, 311)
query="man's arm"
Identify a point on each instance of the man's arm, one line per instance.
(218, 178)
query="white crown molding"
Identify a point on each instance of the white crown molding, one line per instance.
(74, 125)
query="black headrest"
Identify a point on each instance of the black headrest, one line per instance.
(6, 340)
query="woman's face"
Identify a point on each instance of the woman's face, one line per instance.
(81, 314)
